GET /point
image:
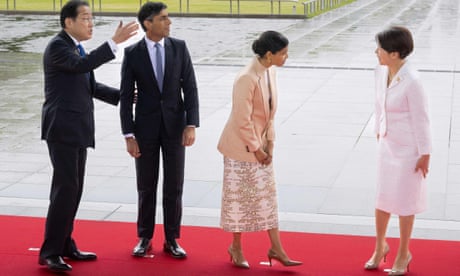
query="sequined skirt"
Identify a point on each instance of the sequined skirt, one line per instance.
(249, 200)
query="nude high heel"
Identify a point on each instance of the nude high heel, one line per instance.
(401, 271)
(237, 258)
(374, 262)
(272, 255)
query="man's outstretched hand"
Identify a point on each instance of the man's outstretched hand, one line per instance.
(124, 32)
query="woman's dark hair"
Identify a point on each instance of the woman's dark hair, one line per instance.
(70, 10)
(269, 41)
(149, 10)
(396, 39)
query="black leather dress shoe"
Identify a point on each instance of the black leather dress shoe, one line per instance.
(142, 247)
(174, 249)
(81, 256)
(55, 264)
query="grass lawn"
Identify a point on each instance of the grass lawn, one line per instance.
(284, 7)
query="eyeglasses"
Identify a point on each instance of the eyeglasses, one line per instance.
(87, 19)
(151, 18)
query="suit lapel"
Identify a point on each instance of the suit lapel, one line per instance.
(90, 78)
(400, 76)
(70, 42)
(265, 94)
(169, 59)
(145, 59)
(397, 79)
(272, 91)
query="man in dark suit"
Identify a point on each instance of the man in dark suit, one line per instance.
(166, 115)
(68, 123)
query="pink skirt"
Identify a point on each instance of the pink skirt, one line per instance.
(249, 200)
(400, 189)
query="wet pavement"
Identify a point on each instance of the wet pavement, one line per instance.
(325, 147)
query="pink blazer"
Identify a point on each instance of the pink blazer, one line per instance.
(250, 124)
(401, 111)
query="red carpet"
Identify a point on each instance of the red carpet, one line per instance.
(206, 247)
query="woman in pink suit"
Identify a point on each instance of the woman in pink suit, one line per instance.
(249, 201)
(404, 145)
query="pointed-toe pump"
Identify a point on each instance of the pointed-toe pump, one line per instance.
(237, 258)
(286, 262)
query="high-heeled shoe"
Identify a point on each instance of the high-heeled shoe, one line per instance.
(237, 258)
(374, 262)
(273, 255)
(401, 271)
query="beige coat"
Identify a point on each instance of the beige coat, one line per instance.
(250, 124)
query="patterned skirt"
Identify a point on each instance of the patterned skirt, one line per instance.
(249, 200)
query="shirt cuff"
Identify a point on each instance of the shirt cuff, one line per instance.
(113, 46)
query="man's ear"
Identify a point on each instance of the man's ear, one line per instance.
(68, 22)
(147, 23)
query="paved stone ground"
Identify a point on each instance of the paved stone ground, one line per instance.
(325, 148)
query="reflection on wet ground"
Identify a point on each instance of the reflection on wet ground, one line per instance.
(23, 39)
(19, 33)
(17, 64)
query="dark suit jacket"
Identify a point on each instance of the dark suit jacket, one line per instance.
(176, 105)
(68, 110)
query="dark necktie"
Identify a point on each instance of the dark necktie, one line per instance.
(159, 66)
(81, 50)
(82, 53)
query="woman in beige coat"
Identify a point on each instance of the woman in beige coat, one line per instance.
(249, 201)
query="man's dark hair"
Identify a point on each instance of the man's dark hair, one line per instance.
(149, 10)
(70, 10)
